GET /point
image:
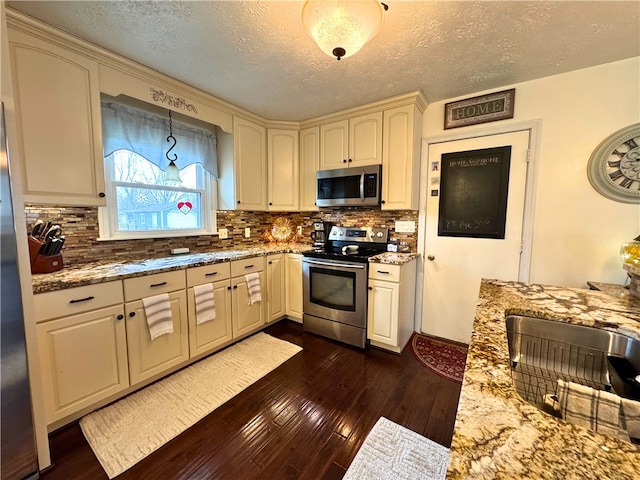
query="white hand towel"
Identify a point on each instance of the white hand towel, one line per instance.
(630, 416)
(253, 284)
(593, 409)
(205, 303)
(158, 312)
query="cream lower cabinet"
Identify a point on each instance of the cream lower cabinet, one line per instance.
(82, 345)
(293, 290)
(276, 286)
(149, 358)
(390, 317)
(207, 336)
(247, 317)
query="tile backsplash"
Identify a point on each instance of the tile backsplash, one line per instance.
(80, 226)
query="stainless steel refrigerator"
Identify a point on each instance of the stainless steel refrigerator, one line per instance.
(18, 458)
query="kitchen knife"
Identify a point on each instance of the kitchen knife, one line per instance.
(54, 231)
(43, 230)
(35, 229)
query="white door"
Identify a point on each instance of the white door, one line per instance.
(454, 266)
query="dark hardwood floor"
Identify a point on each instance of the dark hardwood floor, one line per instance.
(304, 420)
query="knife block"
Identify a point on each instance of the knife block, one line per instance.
(42, 263)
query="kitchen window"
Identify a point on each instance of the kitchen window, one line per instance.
(140, 202)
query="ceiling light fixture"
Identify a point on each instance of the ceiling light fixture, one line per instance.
(172, 174)
(342, 27)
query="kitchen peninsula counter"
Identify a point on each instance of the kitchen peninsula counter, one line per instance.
(93, 273)
(498, 435)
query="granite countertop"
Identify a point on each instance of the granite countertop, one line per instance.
(393, 258)
(92, 273)
(497, 433)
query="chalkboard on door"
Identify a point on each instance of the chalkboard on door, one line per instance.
(473, 193)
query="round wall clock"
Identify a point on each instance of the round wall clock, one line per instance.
(614, 166)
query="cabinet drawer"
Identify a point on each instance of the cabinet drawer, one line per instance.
(149, 285)
(383, 271)
(248, 265)
(208, 273)
(76, 300)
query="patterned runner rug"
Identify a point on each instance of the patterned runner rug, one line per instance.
(443, 357)
(125, 432)
(393, 452)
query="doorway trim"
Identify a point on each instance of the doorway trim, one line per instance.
(534, 128)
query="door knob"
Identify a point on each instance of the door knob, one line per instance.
(431, 258)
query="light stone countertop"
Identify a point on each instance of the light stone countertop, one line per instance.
(93, 273)
(393, 258)
(498, 435)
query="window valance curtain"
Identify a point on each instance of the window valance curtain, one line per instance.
(128, 128)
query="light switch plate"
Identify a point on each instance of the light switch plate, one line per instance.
(408, 226)
(247, 232)
(223, 233)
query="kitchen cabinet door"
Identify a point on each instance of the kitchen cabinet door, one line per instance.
(383, 306)
(401, 158)
(59, 125)
(276, 286)
(293, 289)
(150, 358)
(283, 167)
(334, 145)
(207, 336)
(247, 318)
(309, 166)
(365, 140)
(83, 360)
(250, 164)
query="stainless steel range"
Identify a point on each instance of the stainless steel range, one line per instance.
(335, 283)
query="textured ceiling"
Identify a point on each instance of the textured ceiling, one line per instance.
(258, 56)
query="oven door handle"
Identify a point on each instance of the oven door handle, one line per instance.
(336, 264)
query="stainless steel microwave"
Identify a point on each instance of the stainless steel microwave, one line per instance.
(355, 186)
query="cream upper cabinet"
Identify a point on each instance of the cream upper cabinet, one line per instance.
(276, 286)
(390, 313)
(309, 166)
(293, 296)
(250, 162)
(353, 142)
(401, 158)
(365, 140)
(283, 164)
(334, 145)
(58, 105)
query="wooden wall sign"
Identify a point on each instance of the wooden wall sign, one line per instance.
(482, 109)
(473, 193)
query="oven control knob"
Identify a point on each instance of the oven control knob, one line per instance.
(379, 234)
(341, 233)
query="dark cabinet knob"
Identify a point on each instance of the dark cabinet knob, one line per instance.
(228, 288)
(270, 262)
(350, 160)
(132, 314)
(120, 317)
(370, 288)
(235, 286)
(382, 201)
(238, 202)
(344, 161)
(101, 195)
(270, 203)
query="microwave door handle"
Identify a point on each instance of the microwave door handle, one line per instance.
(362, 186)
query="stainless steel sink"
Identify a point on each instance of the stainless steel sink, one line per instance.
(543, 351)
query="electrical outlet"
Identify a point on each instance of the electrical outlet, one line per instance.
(223, 233)
(405, 227)
(299, 230)
(247, 232)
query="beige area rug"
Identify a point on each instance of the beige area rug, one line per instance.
(125, 432)
(393, 452)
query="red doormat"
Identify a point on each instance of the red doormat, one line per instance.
(443, 357)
